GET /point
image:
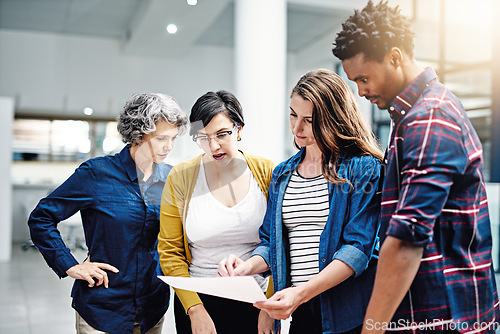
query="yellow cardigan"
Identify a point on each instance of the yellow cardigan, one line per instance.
(173, 247)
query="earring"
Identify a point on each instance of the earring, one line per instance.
(239, 138)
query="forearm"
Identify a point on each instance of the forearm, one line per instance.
(284, 302)
(256, 265)
(332, 275)
(48, 240)
(397, 266)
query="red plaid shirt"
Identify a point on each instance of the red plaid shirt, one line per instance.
(434, 196)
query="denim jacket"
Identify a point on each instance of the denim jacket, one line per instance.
(350, 235)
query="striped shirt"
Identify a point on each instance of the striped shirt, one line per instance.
(434, 196)
(305, 211)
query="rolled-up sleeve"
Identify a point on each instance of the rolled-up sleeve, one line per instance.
(353, 257)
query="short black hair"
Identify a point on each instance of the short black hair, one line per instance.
(212, 103)
(373, 31)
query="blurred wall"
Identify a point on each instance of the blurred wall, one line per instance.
(6, 116)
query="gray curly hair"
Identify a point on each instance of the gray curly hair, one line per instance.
(142, 111)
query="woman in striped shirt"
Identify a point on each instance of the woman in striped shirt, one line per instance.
(319, 233)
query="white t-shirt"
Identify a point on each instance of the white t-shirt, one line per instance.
(214, 230)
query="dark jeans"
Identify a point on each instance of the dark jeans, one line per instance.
(307, 319)
(229, 316)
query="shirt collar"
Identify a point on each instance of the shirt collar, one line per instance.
(156, 176)
(407, 98)
(128, 163)
(294, 161)
(160, 171)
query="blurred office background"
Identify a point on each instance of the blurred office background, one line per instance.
(68, 66)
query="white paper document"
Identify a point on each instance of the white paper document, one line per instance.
(242, 288)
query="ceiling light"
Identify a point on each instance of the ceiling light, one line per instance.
(88, 111)
(192, 2)
(171, 28)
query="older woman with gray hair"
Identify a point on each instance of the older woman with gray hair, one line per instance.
(116, 288)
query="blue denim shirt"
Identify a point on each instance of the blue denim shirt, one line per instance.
(350, 235)
(121, 225)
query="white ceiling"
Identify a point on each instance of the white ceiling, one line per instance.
(140, 24)
(109, 18)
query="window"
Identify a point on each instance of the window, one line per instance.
(63, 140)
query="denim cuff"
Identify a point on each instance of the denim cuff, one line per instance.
(262, 251)
(353, 257)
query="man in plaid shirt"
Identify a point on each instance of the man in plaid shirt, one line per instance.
(435, 271)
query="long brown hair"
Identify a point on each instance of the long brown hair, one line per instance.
(338, 125)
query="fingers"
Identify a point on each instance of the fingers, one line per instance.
(269, 305)
(230, 263)
(221, 268)
(106, 266)
(240, 269)
(101, 275)
(92, 272)
(89, 279)
(92, 277)
(227, 266)
(276, 309)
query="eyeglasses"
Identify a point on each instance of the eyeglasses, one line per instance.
(219, 137)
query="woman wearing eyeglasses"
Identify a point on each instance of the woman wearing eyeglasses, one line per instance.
(213, 206)
(320, 230)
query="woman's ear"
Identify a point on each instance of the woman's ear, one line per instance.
(238, 132)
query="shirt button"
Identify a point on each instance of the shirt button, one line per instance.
(323, 260)
(391, 108)
(403, 112)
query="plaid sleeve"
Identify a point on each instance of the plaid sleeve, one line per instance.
(431, 147)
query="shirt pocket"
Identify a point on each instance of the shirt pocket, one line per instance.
(120, 222)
